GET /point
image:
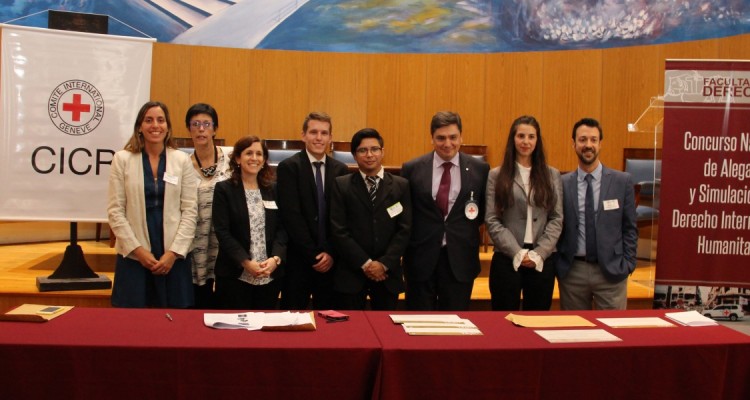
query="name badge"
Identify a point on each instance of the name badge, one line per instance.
(471, 209)
(270, 204)
(611, 205)
(395, 209)
(171, 178)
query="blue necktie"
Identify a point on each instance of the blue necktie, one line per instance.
(321, 203)
(590, 221)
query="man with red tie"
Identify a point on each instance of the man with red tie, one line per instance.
(447, 192)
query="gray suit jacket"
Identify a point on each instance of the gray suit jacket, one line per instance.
(508, 230)
(616, 230)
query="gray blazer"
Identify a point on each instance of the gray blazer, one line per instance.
(616, 229)
(509, 229)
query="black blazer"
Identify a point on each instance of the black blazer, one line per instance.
(298, 205)
(230, 219)
(365, 231)
(428, 226)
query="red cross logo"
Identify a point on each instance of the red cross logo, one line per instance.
(726, 312)
(76, 107)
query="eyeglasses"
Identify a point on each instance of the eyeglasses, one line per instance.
(374, 150)
(204, 124)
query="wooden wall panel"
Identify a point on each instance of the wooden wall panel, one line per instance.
(572, 90)
(514, 87)
(230, 97)
(412, 112)
(269, 92)
(337, 85)
(470, 96)
(734, 48)
(170, 81)
(383, 104)
(631, 76)
(279, 91)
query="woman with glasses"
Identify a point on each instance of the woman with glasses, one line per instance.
(152, 211)
(211, 166)
(252, 241)
(524, 220)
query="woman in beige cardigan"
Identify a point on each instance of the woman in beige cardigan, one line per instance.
(152, 211)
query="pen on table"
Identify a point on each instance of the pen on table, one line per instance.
(169, 317)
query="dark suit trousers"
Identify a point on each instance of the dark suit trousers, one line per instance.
(441, 292)
(234, 294)
(507, 284)
(300, 282)
(380, 298)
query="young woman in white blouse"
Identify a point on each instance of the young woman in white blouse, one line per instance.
(524, 220)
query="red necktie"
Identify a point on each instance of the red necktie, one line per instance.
(445, 186)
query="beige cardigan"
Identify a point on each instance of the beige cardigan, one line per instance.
(127, 209)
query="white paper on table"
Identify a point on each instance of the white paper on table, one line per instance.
(577, 335)
(250, 321)
(691, 318)
(638, 322)
(441, 331)
(442, 318)
(463, 323)
(256, 320)
(286, 318)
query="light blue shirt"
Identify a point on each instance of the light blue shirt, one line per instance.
(597, 182)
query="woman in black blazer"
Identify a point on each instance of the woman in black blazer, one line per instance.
(252, 241)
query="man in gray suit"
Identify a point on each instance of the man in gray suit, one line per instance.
(447, 194)
(599, 238)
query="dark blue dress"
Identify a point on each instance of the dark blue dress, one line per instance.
(135, 286)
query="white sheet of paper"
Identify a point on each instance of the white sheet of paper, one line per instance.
(691, 318)
(255, 320)
(644, 322)
(577, 335)
(249, 321)
(445, 318)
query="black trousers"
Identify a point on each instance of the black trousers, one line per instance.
(380, 298)
(301, 282)
(234, 294)
(507, 285)
(442, 292)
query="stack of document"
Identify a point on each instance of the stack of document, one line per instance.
(690, 318)
(562, 321)
(34, 313)
(255, 321)
(435, 325)
(636, 322)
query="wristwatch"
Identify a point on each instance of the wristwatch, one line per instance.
(278, 260)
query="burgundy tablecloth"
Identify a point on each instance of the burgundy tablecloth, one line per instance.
(136, 354)
(516, 363)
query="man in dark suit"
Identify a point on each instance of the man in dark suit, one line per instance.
(447, 192)
(371, 222)
(304, 183)
(594, 267)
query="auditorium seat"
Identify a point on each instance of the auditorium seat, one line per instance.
(644, 166)
(281, 149)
